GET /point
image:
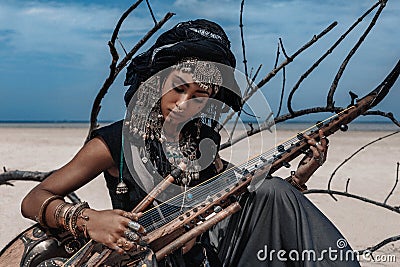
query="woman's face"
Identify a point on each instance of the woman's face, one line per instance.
(182, 98)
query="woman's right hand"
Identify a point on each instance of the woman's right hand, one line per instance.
(113, 228)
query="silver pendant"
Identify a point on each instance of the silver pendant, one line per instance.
(122, 188)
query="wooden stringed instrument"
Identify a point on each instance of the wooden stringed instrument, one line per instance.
(196, 210)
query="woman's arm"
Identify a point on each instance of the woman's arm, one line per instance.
(107, 227)
(89, 162)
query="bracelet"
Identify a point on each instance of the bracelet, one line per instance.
(73, 215)
(60, 209)
(299, 187)
(41, 218)
(67, 217)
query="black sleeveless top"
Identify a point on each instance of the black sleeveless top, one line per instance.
(112, 136)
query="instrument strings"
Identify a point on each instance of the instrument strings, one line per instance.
(206, 190)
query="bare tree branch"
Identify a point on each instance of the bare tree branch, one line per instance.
(34, 176)
(242, 38)
(383, 114)
(115, 70)
(379, 245)
(328, 52)
(283, 49)
(277, 56)
(282, 92)
(339, 74)
(17, 175)
(395, 184)
(151, 11)
(355, 153)
(349, 195)
(272, 73)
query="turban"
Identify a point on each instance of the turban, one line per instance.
(200, 39)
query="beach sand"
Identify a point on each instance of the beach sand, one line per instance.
(372, 175)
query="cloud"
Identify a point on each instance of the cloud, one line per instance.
(70, 28)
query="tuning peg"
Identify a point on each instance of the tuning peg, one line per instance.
(286, 164)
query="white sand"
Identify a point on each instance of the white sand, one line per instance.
(372, 174)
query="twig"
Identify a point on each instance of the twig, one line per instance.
(282, 92)
(151, 12)
(378, 246)
(272, 73)
(355, 153)
(17, 175)
(283, 49)
(328, 52)
(35, 176)
(349, 195)
(388, 115)
(339, 74)
(277, 56)
(395, 184)
(347, 185)
(114, 70)
(242, 38)
(123, 48)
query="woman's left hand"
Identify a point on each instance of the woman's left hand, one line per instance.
(313, 159)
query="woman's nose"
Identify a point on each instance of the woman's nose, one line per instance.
(182, 101)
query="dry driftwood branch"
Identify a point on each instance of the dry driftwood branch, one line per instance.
(114, 69)
(34, 176)
(277, 56)
(17, 175)
(328, 52)
(282, 91)
(242, 38)
(349, 195)
(383, 114)
(355, 153)
(379, 245)
(339, 74)
(395, 184)
(272, 73)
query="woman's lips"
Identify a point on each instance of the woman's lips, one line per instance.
(176, 113)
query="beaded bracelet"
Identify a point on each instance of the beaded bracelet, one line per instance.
(41, 218)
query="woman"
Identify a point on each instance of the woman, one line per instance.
(163, 136)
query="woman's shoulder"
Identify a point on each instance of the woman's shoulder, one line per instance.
(112, 136)
(113, 128)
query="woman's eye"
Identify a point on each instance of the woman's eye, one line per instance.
(179, 90)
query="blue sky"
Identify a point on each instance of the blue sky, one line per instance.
(54, 54)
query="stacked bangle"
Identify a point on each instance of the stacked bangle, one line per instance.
(41, 218)
(67, 215)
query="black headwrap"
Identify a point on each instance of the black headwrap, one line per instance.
(201, 39)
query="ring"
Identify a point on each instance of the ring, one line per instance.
(119, 243)
(134, 225)
(318, 143)
(131, 235)
(127, 246)
(127, 215)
